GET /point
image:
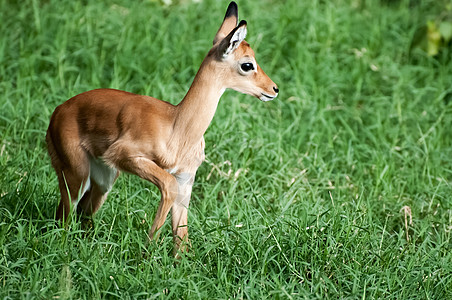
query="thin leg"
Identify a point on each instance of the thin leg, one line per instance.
(71, 164)
(167, 184)
(91, 201)
(179, 211)
(72, 186)
(95, 197)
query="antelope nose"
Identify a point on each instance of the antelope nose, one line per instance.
(276, 89)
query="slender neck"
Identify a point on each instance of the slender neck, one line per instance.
(196, 110)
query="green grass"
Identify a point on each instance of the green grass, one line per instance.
(300, 197)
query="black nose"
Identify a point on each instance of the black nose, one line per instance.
(276, 89)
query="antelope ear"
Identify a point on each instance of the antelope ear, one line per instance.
(230, 21)
(233, 40)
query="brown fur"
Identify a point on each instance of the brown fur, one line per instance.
(95, 135)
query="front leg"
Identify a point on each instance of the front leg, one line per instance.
(179, 211)
(167, 184)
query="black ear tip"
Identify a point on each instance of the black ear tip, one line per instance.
(232, 10)
(232, 5)
(242, 23)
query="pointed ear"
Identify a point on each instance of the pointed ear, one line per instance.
(230, 21)
(233, 40)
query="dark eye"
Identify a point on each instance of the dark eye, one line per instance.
(247, 67)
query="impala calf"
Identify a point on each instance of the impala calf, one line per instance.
(95, 135)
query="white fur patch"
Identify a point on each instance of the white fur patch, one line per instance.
(173, 170)
(103, 175)
(85, 188)
(185, 181)
(237, 38)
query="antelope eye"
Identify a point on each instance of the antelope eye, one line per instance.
(247, 67)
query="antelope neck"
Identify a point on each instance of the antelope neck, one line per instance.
(196, 110)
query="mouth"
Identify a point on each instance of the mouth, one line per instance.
(265, 97)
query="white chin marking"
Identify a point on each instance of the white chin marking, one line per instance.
(266, 98)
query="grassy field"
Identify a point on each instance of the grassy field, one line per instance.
(339, 188)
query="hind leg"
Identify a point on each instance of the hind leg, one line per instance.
(69, 159)
(71, 165)
(73, 184)
(91, 201)
(89, 204)
(102, 178)
(95, 197)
